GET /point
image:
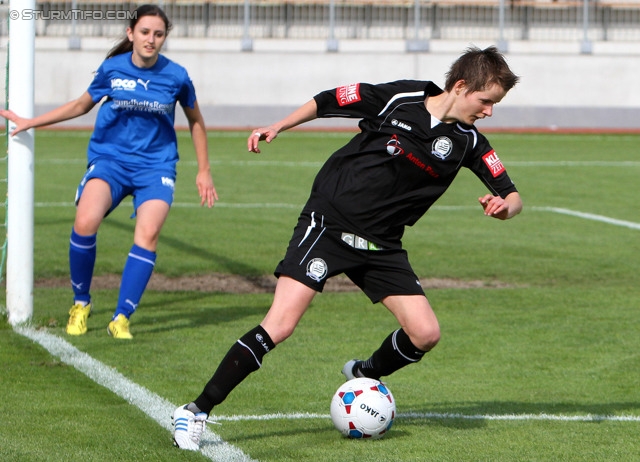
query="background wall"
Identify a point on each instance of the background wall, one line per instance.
(560, 88)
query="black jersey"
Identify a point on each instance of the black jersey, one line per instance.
(400, 163)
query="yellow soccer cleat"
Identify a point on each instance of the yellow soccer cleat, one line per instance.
(119, 327)
(78, 314)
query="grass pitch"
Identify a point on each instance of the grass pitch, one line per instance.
(540, 364)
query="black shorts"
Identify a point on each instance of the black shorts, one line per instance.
(318, 251)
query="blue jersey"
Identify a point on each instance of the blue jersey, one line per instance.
(135, 123)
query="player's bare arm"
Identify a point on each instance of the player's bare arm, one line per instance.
(502, 209)
(204, 181)
(67, 111)
(304, 113)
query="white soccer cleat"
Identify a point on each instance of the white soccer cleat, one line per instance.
(347, 370)
(188, 428)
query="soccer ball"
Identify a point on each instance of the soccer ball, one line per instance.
(363, 408)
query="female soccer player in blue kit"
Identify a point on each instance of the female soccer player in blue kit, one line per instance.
(414, 138)
(132, 152)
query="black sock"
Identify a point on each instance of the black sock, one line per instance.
(243, 358)
(395, 352)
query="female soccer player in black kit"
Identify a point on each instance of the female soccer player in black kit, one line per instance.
(414, 138)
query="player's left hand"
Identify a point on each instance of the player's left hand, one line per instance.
(206, 189)
(494, 206)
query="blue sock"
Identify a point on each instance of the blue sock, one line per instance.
(82, 258)
(136, 275)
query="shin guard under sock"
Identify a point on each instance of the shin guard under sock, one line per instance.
(395, 352)
(243, 358)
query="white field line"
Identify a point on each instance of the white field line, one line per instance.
(446, 416)
(590, 216)
(212, 446)
(543, 416)
(156, 407)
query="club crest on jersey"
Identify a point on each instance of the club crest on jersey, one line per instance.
(348, 94)
(317, 269)
(393, 147)
(493, 162)
(441, 147)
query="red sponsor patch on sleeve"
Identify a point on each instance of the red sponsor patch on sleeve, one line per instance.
(348, 94)
(493, 162)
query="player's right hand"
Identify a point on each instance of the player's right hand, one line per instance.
(19, 122)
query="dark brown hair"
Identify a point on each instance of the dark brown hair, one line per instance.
(480, 69)
(124, 45)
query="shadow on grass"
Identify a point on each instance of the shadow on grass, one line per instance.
(232, 266)
(164, 314)
(273, 430)
(158, 311)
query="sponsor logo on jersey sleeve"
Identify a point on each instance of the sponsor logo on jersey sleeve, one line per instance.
(494, 163)
(348, 94)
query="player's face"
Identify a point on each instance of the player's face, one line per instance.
(478, 104)
(147, 36)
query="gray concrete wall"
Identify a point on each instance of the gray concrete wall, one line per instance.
(560, 87)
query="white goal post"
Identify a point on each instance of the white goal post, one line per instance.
(20, 165)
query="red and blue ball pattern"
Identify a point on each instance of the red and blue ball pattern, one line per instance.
(363, 408)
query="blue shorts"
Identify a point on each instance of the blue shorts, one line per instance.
(143, 185)
(318, 250)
